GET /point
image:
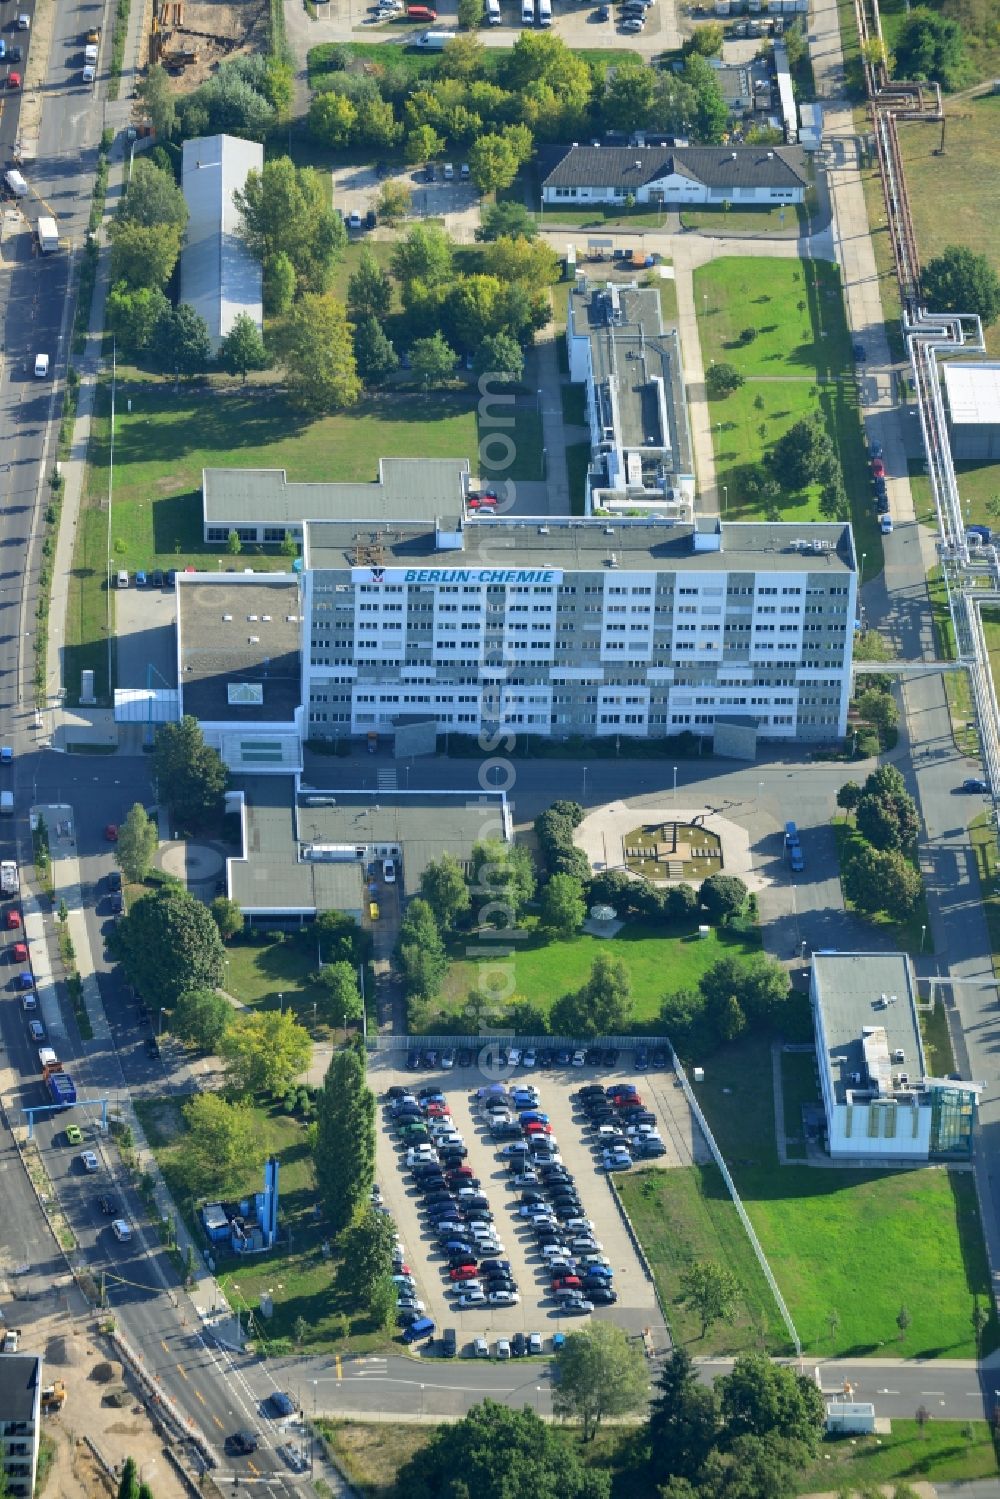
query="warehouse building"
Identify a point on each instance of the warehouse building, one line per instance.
(972, 391)
(640, 446)
(219, 276)
(880, 1105)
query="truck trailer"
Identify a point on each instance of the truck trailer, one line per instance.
(62, 1089)
(48, 235)
(8, 877)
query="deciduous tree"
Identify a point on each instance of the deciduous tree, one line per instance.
(286, 210)
(143, 256)
(721, 380)
(190, 775)
(169, 943)
(501, 880)
(760, 1398)
(443, 886)
(563, 909)
(264, 1052)
(369, 289)
(317, 351)
(181, 344)
(599, 1372)
(202, 1016)
(227, 916)
(242, 348)
(712, 1290)
(137, 843)
(723, 896)
(339, 982)
(432, 359)
(959, 280)
(507, 220)
(223, 1144)
(159, 101)
(152, 198)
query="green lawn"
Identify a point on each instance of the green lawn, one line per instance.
(937, 1040)
(603, 216)
(272, 973)
(685, 1215)
(957, 687)
(798, 359)
(543, 971)
(393, 54)
(799, 1086)
(668, 299)
(810, 340)
(302, 1281)
(984, 847)
(978, 485)
(943, 1452)
(915, 1232)
(750, 221)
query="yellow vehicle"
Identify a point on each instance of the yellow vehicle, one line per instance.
(54, 1396)
(373, 910)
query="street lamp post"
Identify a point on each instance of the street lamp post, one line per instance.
(675, 785)
(585, 783)
(725, 499)
(159, 1028)
(281, 1003)
(923, 933)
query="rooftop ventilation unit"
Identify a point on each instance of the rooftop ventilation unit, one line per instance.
(251, 619)
(253, 640)
(226, 618)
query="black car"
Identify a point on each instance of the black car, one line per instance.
(282, 1403)
(477, 1215)
(641, 1059)
(562, 1058)
(610, 1058)
(156, 578)
(14, 54)
(114, 880)
(591, 1090)
(647, 1149)
(506, 1130)
(464, 1059)
(412, 1061)
(480, 1200)
(152, 1047)
(858, 350)
(602, 13)
(107, 1206)
(243, 1441)
(453, 1156)
(882, 505)
(592, 1057)
(601, 1295)
(171, 577)
(396, 1092)
(371, 219)
(519, 1345)
(545, 1058)
(658, 1059)
(500, 1283)
(449, 1342)
(117, 903)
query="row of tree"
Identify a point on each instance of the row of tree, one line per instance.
(750, 1434)
(494, 107)
(878, 870)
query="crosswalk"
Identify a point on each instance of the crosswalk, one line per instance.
(388, 780)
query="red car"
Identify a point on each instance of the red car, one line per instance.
(20, 952)
(482, 502)
(536, 1127)
(460, 1173)
(627, 1101)
(14, 80)
(438, 1111)
(13, 920)
(420, 13)
(878, 469)
(111, 832)
(567, 1283)
(463, 1272)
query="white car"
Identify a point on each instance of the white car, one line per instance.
(418, 1153)
(503, 1347)
(482, 1348)
(525, 1179)
(409, 1304)
(553, 1251)
(121, 1230)
(579, 1226)
(514, 1056)
(472, 1298)
(89, 1161)
(41, 366)
(529, 1059)
(579, 1059)
(466, 1288)
(503, 1298)
(534, 1342)
(354, 220)
(388, 865)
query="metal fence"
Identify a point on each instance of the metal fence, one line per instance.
(535, 1043)
(731, 1187)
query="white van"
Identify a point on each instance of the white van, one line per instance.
(17, 184)
(122, 579)
(6, 804)
(493, 12)
(545, 12)
(527, 13)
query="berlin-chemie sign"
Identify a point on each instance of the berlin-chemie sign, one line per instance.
(543, 577)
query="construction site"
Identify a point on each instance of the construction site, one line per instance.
(190, 38)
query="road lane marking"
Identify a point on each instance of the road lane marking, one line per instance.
(181, 1372)
(200, 1397)
(218, 1423)
(253, 1470)
(340, 1368)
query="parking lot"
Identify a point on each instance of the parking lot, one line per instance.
(536, 1310)
(356, 189)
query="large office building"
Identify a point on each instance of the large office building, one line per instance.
(564, 626)
(20, 1421)
(879, 1103)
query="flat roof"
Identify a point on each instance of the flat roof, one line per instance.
(275, 876)
(973, 393)
(403, 488)
(632, 353)
(240, 647)
(20, 1378)
(272, 878)
(588, 545)
(858, 990)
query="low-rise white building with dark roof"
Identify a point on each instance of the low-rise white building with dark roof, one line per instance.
(675, 175)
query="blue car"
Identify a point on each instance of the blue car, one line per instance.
(3, 47)
(523, 1099)
(458, 1246)
(599, 1272)
(533, 1116)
